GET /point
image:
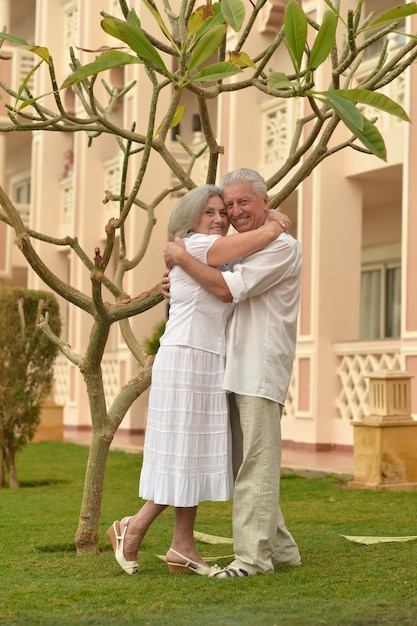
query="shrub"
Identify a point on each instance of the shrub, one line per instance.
(26, 370)
(152, 343)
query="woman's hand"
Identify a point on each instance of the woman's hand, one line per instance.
(172, 251)
(165, 285)
(282, 219)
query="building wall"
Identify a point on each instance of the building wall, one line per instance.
(352, 204)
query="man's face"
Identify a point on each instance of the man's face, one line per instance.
(245, 210)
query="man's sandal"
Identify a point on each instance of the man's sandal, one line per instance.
(230, 572)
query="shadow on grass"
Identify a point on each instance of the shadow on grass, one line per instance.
(56, 547)
(42, 483)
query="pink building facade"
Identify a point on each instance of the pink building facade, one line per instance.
(356, 217)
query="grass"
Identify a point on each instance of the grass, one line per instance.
(43, 581)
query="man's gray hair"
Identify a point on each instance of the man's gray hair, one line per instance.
(187, 213)
(244, 175)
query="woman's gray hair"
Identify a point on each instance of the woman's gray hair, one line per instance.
(186, 215)
(244, 175)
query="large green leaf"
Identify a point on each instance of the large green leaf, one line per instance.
(139, 43)
(136, 39)
(345, 109)
(110, 26)
(324, 42)
(133, 19)
(234, 13)
(373, 99)
(278, 80)
(394, 15)
(217, 71)
(295, 27)
(106, 61)
(365, 131)
(207, 45)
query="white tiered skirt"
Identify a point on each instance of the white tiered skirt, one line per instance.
(187, 449)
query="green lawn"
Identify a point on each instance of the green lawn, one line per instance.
(43, 581)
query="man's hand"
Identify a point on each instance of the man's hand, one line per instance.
(282, 219)
(172, 251)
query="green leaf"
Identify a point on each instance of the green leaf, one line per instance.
(242, 59)
(278, 80)
(28, 102)
(109, 25)
(41, 52)
(345, 109)
(217, 71)
(179, 114)
(376, 100)
(207, 45)
(159, 20)
(106, 61)
(366, 132)
(136, 39)
(27, 79)
(133, 19)
(13, 39)
(331, 6)
(295, 28)
(234, 13)
(324, 42)
(139, 43)
(197, 18)
(212, 17)
(394, 15)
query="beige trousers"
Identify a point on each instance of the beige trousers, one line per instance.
(260, 537)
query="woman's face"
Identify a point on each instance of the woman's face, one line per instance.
(214, 219)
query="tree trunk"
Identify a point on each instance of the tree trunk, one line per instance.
(11, 468)
(86, 538)
(2, 468)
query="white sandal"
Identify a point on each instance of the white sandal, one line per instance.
(117, 540)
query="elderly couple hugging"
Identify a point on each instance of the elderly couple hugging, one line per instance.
(220, 379)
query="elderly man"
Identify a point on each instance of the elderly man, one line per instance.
(260, 349)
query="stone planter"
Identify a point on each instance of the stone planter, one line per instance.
(51, 427)
(385, 442)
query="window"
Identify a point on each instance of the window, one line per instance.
(20, 189)
(381, 300)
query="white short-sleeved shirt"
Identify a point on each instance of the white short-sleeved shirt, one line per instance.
(262, 331)
(197, 318)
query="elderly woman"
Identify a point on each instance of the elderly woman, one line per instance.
(187, 449)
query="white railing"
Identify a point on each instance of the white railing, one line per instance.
(61, 381)
(279, 116)
(71, 25)
(112, 175)
(110, 367)
(356, 360)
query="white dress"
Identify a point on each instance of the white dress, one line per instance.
(187, 450)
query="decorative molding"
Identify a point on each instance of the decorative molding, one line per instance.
(272, 16)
